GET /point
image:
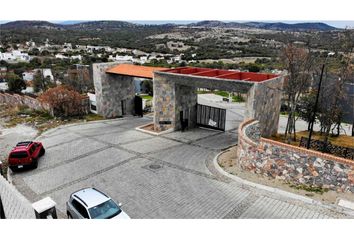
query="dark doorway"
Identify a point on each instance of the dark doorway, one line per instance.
(138, 104)
(184, 120)
(124, 107)
(211, 117)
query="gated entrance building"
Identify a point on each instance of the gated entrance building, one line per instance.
(175, 95)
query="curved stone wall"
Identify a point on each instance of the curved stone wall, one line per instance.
(290, 163)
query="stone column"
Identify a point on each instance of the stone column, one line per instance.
(164, 103)
(112, 90)
(263, 104)
(186, 101)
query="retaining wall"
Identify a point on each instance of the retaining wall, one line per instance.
(15, 205)
(33, 103)
(290, 163)
(17, 99)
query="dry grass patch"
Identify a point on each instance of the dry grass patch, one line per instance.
(341, 140)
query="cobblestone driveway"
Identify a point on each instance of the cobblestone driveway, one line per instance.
(169, 176)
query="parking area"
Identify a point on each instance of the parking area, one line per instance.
(166, 176)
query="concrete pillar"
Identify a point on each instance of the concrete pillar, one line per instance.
(45, 209)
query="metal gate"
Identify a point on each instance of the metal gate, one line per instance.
(211, 117)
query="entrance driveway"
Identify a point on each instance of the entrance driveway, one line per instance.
(168, 176)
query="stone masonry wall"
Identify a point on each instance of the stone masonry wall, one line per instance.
(15, 205)
(111, 90)
(164, 103)
(263, 104)
(169, 100)
(291, 163)
(175, 92)
(186, 101)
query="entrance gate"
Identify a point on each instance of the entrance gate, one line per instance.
(211, 117)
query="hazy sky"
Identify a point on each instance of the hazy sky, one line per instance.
(338, 24)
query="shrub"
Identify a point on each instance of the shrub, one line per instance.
(63, 101)
(15, 83)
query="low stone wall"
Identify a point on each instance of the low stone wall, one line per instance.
(290, 163)
(14, 204)
(17, 99)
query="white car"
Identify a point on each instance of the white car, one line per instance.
(91, 203)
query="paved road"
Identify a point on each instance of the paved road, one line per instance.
(169, 176)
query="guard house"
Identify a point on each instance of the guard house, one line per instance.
(175, 93)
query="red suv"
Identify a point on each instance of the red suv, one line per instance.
(25, 154)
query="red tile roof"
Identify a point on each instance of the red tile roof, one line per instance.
(134, 70)
(222, 74)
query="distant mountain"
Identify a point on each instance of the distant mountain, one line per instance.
(295, 26)
(117, 25)
(70, 22)
(74, 25)
(30, 24)
(101, 25)
(264, 25)
(208, 24)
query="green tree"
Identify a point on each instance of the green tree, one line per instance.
(35, 63)
(147, 87)
(41, 83)
(34, 51)
(253, 68)
(15, 83)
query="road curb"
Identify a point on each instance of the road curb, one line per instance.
(81, 123)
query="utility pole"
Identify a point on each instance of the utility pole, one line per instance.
(316, 102)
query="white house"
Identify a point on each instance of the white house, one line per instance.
(46, 72)
(30, 44)
(79, 57)
(143, 59)
(15, 56)
(60, 56)
(28, 76)
(124, 58)
(3, 86)
(68, 45)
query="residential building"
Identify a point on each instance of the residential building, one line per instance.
(15, 56)
(60, 56)
(46, 72)
(28, 75)
(76, 57)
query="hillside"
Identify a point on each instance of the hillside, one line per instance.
(30, 24)
(264, 25)
(293, 27)
(102, 25)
